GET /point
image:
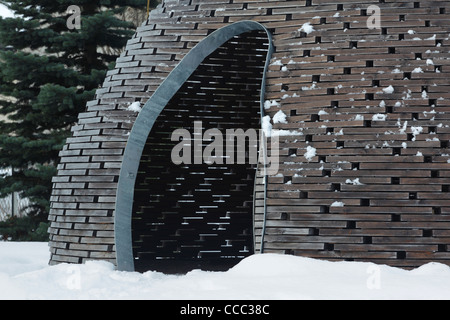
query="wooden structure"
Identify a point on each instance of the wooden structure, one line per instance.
(364, 160)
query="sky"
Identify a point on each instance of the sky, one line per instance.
(5, 12)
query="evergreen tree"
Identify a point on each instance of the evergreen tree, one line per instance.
(47, 74)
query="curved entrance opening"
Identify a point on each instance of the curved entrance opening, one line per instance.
(198, 214)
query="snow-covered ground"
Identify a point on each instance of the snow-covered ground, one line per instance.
(24, 274)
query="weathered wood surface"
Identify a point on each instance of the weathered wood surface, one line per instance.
(383, 155)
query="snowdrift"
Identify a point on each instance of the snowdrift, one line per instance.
(24, 274)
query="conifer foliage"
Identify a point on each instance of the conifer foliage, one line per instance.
(47, 74)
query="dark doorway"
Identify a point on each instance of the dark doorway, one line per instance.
(200, 216)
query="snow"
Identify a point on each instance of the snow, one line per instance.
(5, 12)
(354, 182)
(266, 126)
(418, 70)
(281, 133)
(337, 204)
(276, 63)
(25, 275)
(402, 130)
(389, 90)
(271, 103)
(416, 131)
(307, 28)
(379, 117)
(313, 86)
(279, 117)
(21, 257)
(310, 153)
(135, 107)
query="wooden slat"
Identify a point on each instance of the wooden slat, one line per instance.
(330, 85)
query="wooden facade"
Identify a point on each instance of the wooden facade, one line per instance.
(364, 155)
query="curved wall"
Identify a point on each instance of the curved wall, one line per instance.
(364, 165)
